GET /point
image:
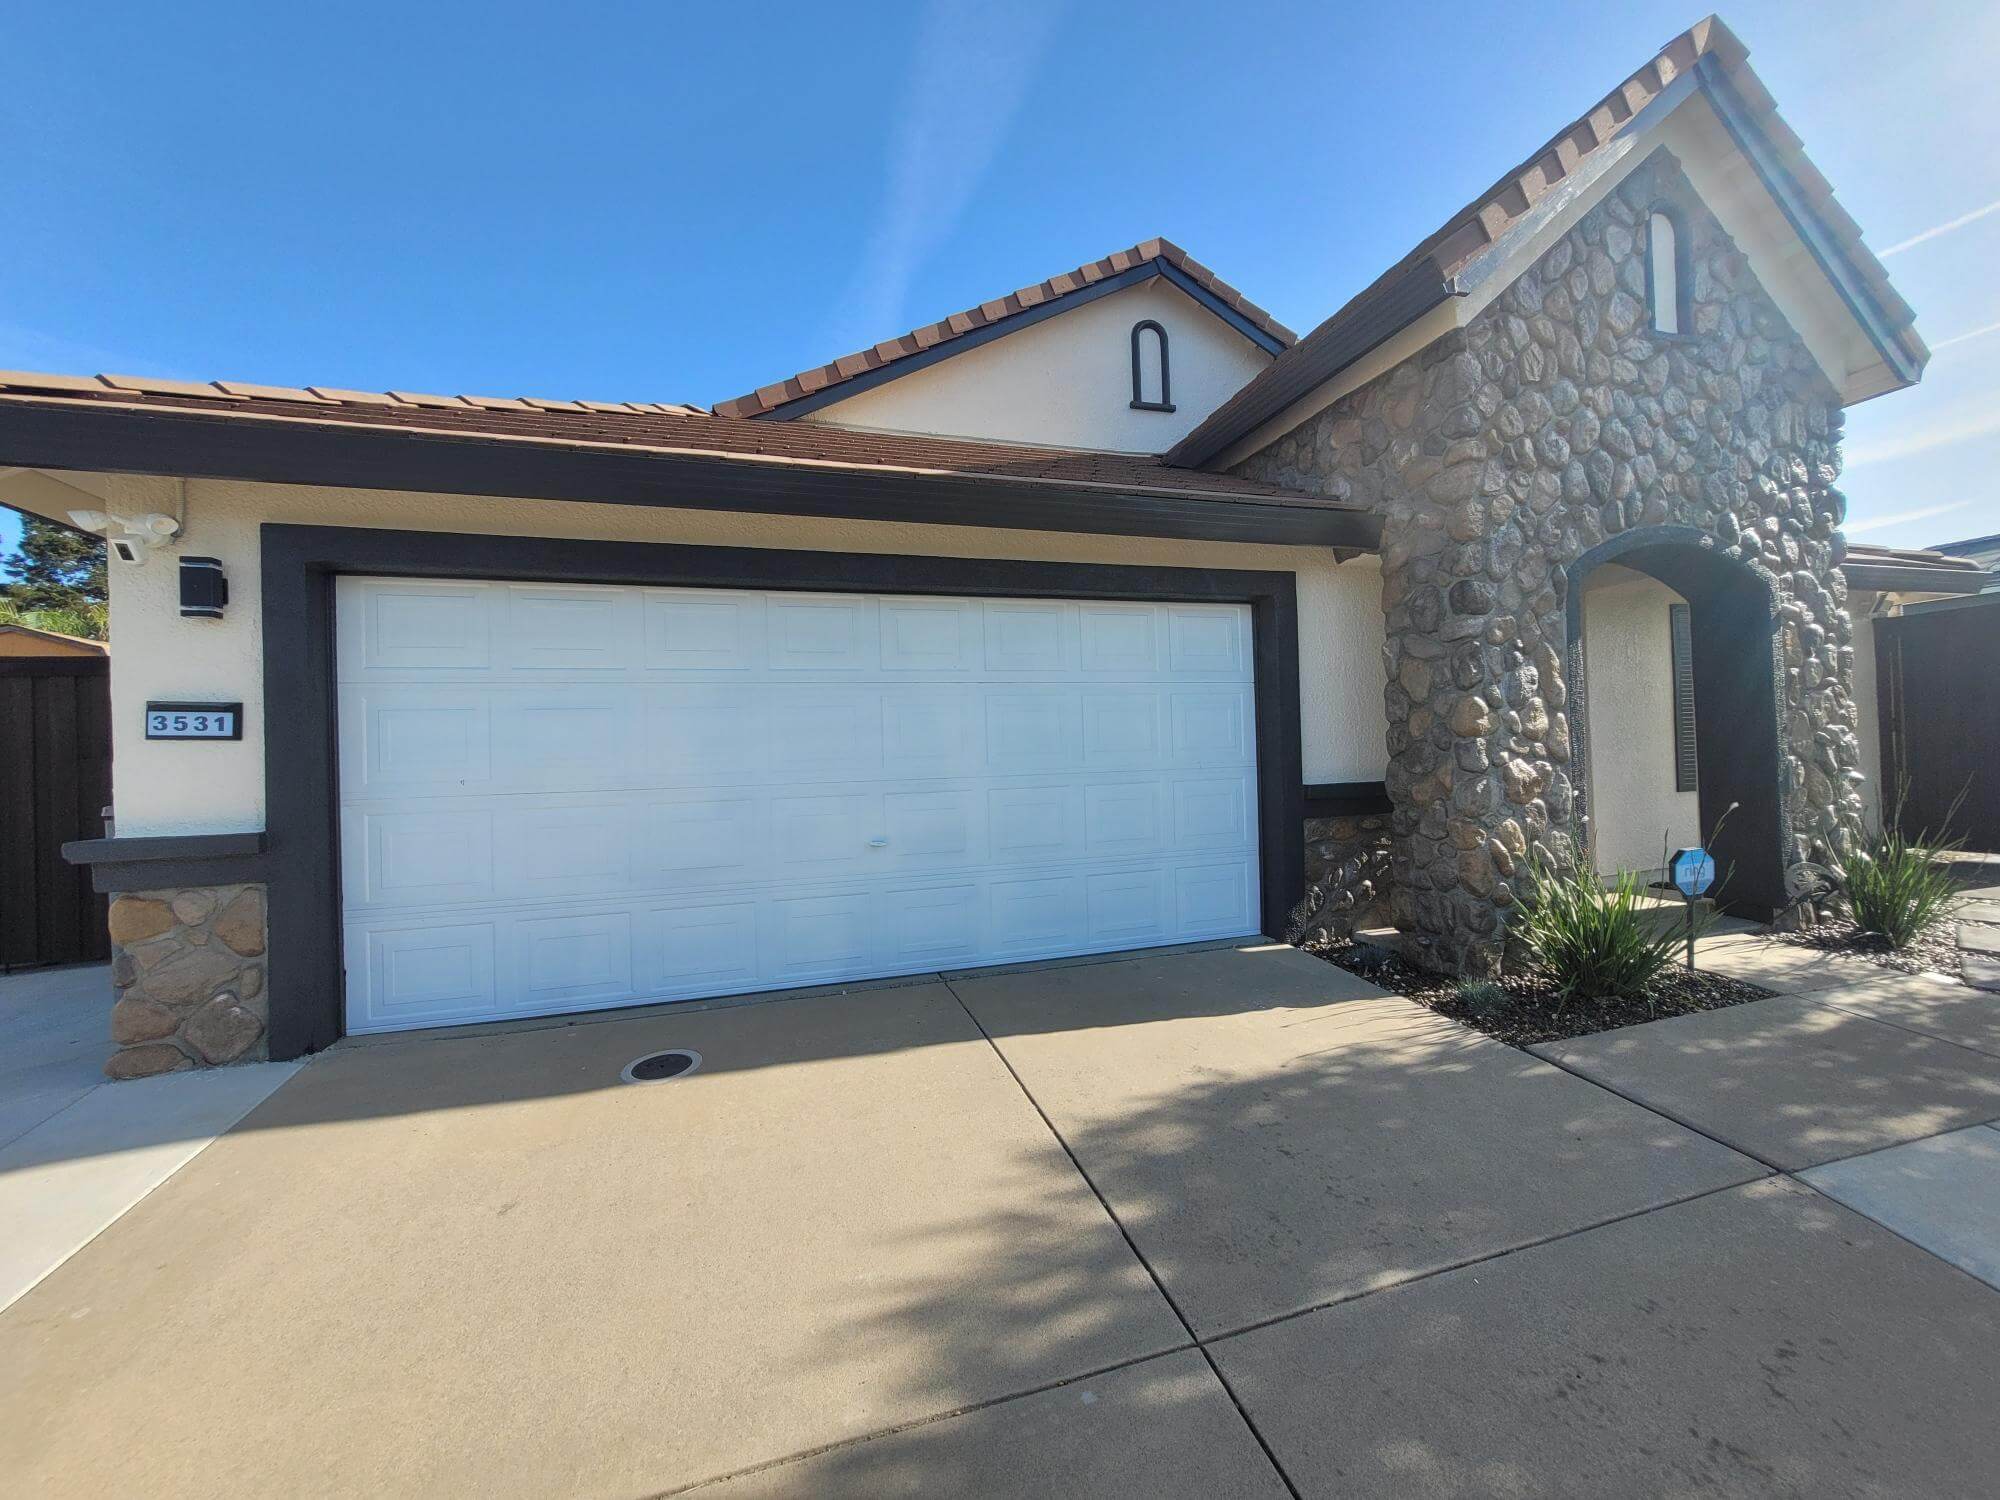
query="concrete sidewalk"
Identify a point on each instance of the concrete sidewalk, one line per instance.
(76, 1152)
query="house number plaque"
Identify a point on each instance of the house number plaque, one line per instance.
(194, 721)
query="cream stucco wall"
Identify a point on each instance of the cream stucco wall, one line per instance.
(1628, 672)
(162, 787)
(1067, 381)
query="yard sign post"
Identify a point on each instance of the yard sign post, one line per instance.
(1693, 872)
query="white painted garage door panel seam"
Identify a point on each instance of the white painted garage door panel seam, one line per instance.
(560, 798)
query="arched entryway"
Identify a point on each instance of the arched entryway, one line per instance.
(1737, 674)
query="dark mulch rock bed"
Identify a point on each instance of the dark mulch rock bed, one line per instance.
(1935, 952)
(1532, 1012)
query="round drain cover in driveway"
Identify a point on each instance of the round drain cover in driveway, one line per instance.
(658, 1067)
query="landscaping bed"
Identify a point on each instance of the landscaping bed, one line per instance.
(1528, 1010)
(1936, 950)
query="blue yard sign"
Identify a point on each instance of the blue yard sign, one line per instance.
(1693, 871)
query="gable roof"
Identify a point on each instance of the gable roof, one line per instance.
(633, 453)
(821, 386)
(1457, 252)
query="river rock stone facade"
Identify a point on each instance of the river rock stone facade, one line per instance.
(188, 967)
(1503, 452)
(1347, 880)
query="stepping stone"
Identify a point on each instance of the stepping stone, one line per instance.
(1979, 937)
(1981, 971)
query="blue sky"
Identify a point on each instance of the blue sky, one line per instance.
(667, 202)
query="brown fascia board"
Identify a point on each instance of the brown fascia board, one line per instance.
(1911, 570)
(178, 441)
(1913, 578)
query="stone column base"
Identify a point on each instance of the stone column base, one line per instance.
(1347, 880)
(188, 966)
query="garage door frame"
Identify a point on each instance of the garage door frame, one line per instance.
(300, 563)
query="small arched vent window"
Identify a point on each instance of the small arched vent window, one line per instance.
(1666, 273)
(1149, 368)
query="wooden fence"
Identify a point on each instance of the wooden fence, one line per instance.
(55, 779)
(1938, 678)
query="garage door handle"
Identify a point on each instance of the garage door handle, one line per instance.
(880, 841)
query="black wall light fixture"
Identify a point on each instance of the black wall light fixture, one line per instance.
(204, 588)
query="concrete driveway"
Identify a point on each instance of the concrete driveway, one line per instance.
(1164, 1225)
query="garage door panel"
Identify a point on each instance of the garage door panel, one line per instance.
(424, 975)
(1124, 818)
(703, 734)
(1036, 915)
(1213, 900)
(1033, 729)
(1128, 908)
(407, 741)
(930, 731)
(567, 961)
(1212, 814)
(822, 937)
(820, 633)
(705, 949)
(1024, 637)
(1035, 824)
(417, 858)
(825, 734)
(1210, 728)
(587, 631)
(398, 629)
(930, 635)
(702, 630)
(696, 838)
(1119, 639)
(822, 836)
(1206, 642)
(937, 829)
(933, 926)
(1123, 730)
(571, 850)
(560, 798)
(562, 741)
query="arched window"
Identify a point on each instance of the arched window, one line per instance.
(1666, 273)
(1142, 366)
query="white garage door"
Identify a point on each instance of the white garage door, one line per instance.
(559, 798)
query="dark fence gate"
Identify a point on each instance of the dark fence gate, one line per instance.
(55, 779)
(1938, 676)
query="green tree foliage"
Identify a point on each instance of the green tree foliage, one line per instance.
(55, 581)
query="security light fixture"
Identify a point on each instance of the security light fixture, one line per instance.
(129, 537)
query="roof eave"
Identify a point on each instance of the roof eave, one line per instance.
(1913, 578)
(193, 444)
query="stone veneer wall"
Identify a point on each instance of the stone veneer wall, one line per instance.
(1347, 880)
(188, 966)
(1502, 453)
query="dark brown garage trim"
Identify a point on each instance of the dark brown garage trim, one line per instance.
(300, 564)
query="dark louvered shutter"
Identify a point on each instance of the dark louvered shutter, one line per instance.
(1680, 622)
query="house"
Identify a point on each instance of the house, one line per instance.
(17, 639)
(1983, 550)
(1105, 614)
